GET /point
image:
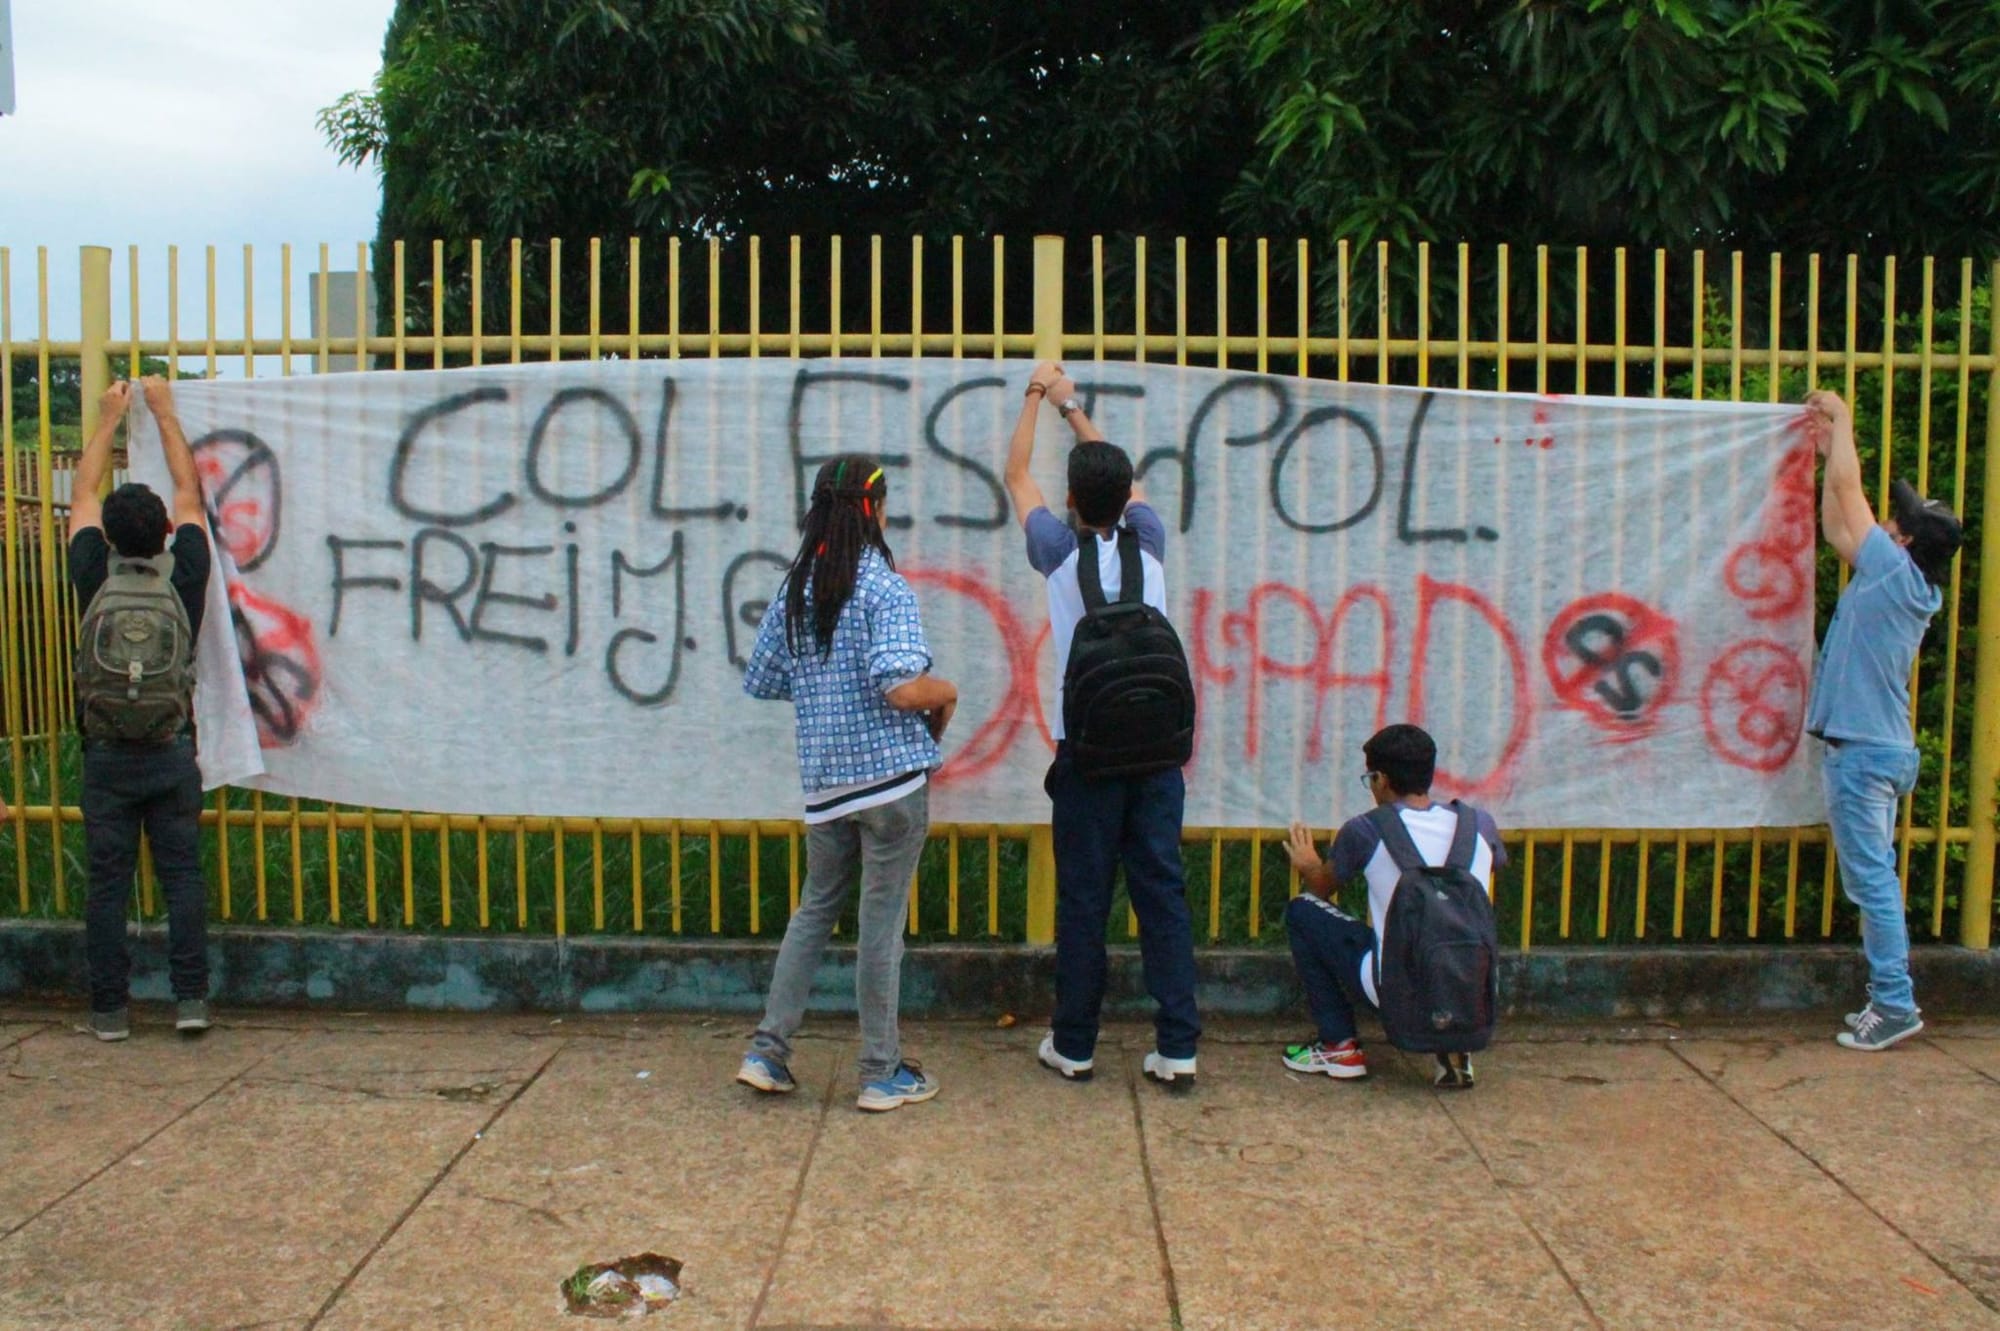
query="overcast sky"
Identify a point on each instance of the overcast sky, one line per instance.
(185, 122)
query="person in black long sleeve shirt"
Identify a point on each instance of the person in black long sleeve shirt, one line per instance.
(140, 776)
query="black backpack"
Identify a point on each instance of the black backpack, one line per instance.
(1128, 700)
(1439, 991)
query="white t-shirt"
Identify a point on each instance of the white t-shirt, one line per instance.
(1053, 550)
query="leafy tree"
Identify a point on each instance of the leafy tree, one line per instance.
(582, 118)
(65, 389)
(1828, 126)
(1866, 126)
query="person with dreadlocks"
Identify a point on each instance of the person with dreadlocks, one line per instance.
(843, 642)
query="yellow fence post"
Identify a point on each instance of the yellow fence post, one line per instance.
(1975, 907)
(96, 298)
(1048, 346)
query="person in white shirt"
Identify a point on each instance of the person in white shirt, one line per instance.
(1099, 823)
(1332, 949)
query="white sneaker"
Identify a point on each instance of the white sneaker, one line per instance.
(1176, 1074)
(1072, 1069)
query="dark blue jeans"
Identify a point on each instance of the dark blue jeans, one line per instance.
(1329, 946)
(1098, 825)
(156, 788)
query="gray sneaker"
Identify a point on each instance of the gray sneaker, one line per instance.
(1875, 1029)
(113, 1025)
(191, 1016)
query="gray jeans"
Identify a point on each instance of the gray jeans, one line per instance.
(881, 844)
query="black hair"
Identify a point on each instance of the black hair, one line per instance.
(1405, 755)
(1934, 531)
(135, 521)
(844, 520)
(1932, 555)
(1100, 482)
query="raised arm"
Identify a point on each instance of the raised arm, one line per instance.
(86, 501)
(1021, 487)
(188, 507)
(1844, 515)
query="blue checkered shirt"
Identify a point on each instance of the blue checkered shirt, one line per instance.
(848, 733)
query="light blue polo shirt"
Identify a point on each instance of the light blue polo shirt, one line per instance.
(1861, 692)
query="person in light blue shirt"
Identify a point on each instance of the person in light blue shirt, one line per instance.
(843, 642)
(1860, 704)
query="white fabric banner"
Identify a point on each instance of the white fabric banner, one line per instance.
(530, 589)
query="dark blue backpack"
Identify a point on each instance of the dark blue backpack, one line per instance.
(1437, 966)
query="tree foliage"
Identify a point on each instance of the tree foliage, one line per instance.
(1792, 125)
(1828, 126)
(727, 118)
(65, 388)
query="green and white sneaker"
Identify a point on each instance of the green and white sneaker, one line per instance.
(1876, 1030)
(1344, 1060)
(113, 1025)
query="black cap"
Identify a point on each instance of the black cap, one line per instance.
(1934, 530)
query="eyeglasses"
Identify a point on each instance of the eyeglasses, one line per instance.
(1368, 780)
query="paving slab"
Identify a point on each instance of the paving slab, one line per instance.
(1012, 1200)
(253, 1207)
(1300, 1202)
(1669, 1206)
(1913, 1132)
(597, 1162)
(1982, 1056)
(71, 1104)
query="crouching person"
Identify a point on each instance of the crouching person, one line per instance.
(1431, 970)
(843, 642)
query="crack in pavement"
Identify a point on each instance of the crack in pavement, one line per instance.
(798, 1200)
(539, 1212)
(347, 1281)
(145, 1141)
(1507, 1188)
(477, 1093)
(1968, 1065)
(1173, 1291)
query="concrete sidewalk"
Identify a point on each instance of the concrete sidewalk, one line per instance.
(315, 1171)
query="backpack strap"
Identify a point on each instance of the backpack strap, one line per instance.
(161, 564)
(1088, 580)
(1464, 838)
(1388, 820)
(1131, 573)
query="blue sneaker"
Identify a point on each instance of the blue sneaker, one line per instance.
(1876, 1030)
(766, 1074)
(908, 1085)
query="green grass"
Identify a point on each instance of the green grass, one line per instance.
(428, 882)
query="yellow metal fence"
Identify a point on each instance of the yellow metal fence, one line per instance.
(292, 861)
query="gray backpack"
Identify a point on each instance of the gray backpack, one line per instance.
(135, 659)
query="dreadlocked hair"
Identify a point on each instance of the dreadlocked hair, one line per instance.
(844, 520)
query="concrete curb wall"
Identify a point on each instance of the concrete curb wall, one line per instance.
(316, 968)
